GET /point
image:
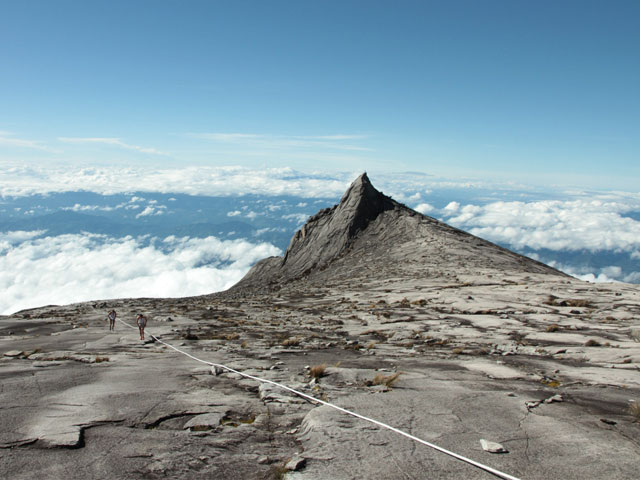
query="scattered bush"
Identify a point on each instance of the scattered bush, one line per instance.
(571, 302)
(554, 327)
(290, 342)
(592, 343)
(102, 359)
(551, 382)
(405, 302)
(317, 371)
(387, 380)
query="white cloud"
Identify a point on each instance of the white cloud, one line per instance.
(146, 212)
(451, 208)
(114, 142)
(73, 268)
(89, 208)
(581, 224)
(285, 141)
(425, 208)
(235, 213)
(299, 218)
(215, 181)
(9, 239)
(262, 231)
(8, 140)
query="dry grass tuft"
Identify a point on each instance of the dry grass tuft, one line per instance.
(404, 302)
(570, 302)
(290, 342)
(554, 327)
(387, 380)
(317, 371)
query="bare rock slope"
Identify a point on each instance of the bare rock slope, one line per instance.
(367, 228)
(374, 308)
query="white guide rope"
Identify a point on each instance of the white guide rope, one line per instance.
(486, 468)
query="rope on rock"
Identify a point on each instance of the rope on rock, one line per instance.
(469, 461)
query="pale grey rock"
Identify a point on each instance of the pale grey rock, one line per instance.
(207, 420)
(492, 447)
(13, 353)
(555, 398)
(295, 464)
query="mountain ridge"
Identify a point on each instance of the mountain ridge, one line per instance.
(366, 220)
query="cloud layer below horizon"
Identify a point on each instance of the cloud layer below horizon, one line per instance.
(36, 270)
(555, 225)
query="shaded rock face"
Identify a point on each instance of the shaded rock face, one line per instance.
(331, 231)
(372, 226)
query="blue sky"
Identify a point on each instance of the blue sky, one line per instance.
(547, 92)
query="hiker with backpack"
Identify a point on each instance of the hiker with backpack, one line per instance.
(112, 320)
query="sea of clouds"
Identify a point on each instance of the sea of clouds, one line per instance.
(37, 269)
(40, 270)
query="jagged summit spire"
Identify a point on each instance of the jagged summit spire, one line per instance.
(328, 233)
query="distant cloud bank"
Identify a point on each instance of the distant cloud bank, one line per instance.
(211, 181)
(36, 270)
(555, 225)
(40, 270)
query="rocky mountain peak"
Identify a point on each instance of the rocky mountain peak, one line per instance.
(367, 228)
(331, 231)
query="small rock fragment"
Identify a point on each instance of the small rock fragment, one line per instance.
(295, 464)
(206, 421)
(492, 447)
(263, 459)
(13, 353)
(555, 398)
(215, 370)
(608, 422)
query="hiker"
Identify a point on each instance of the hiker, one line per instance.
(112, 320)
(141, 320)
